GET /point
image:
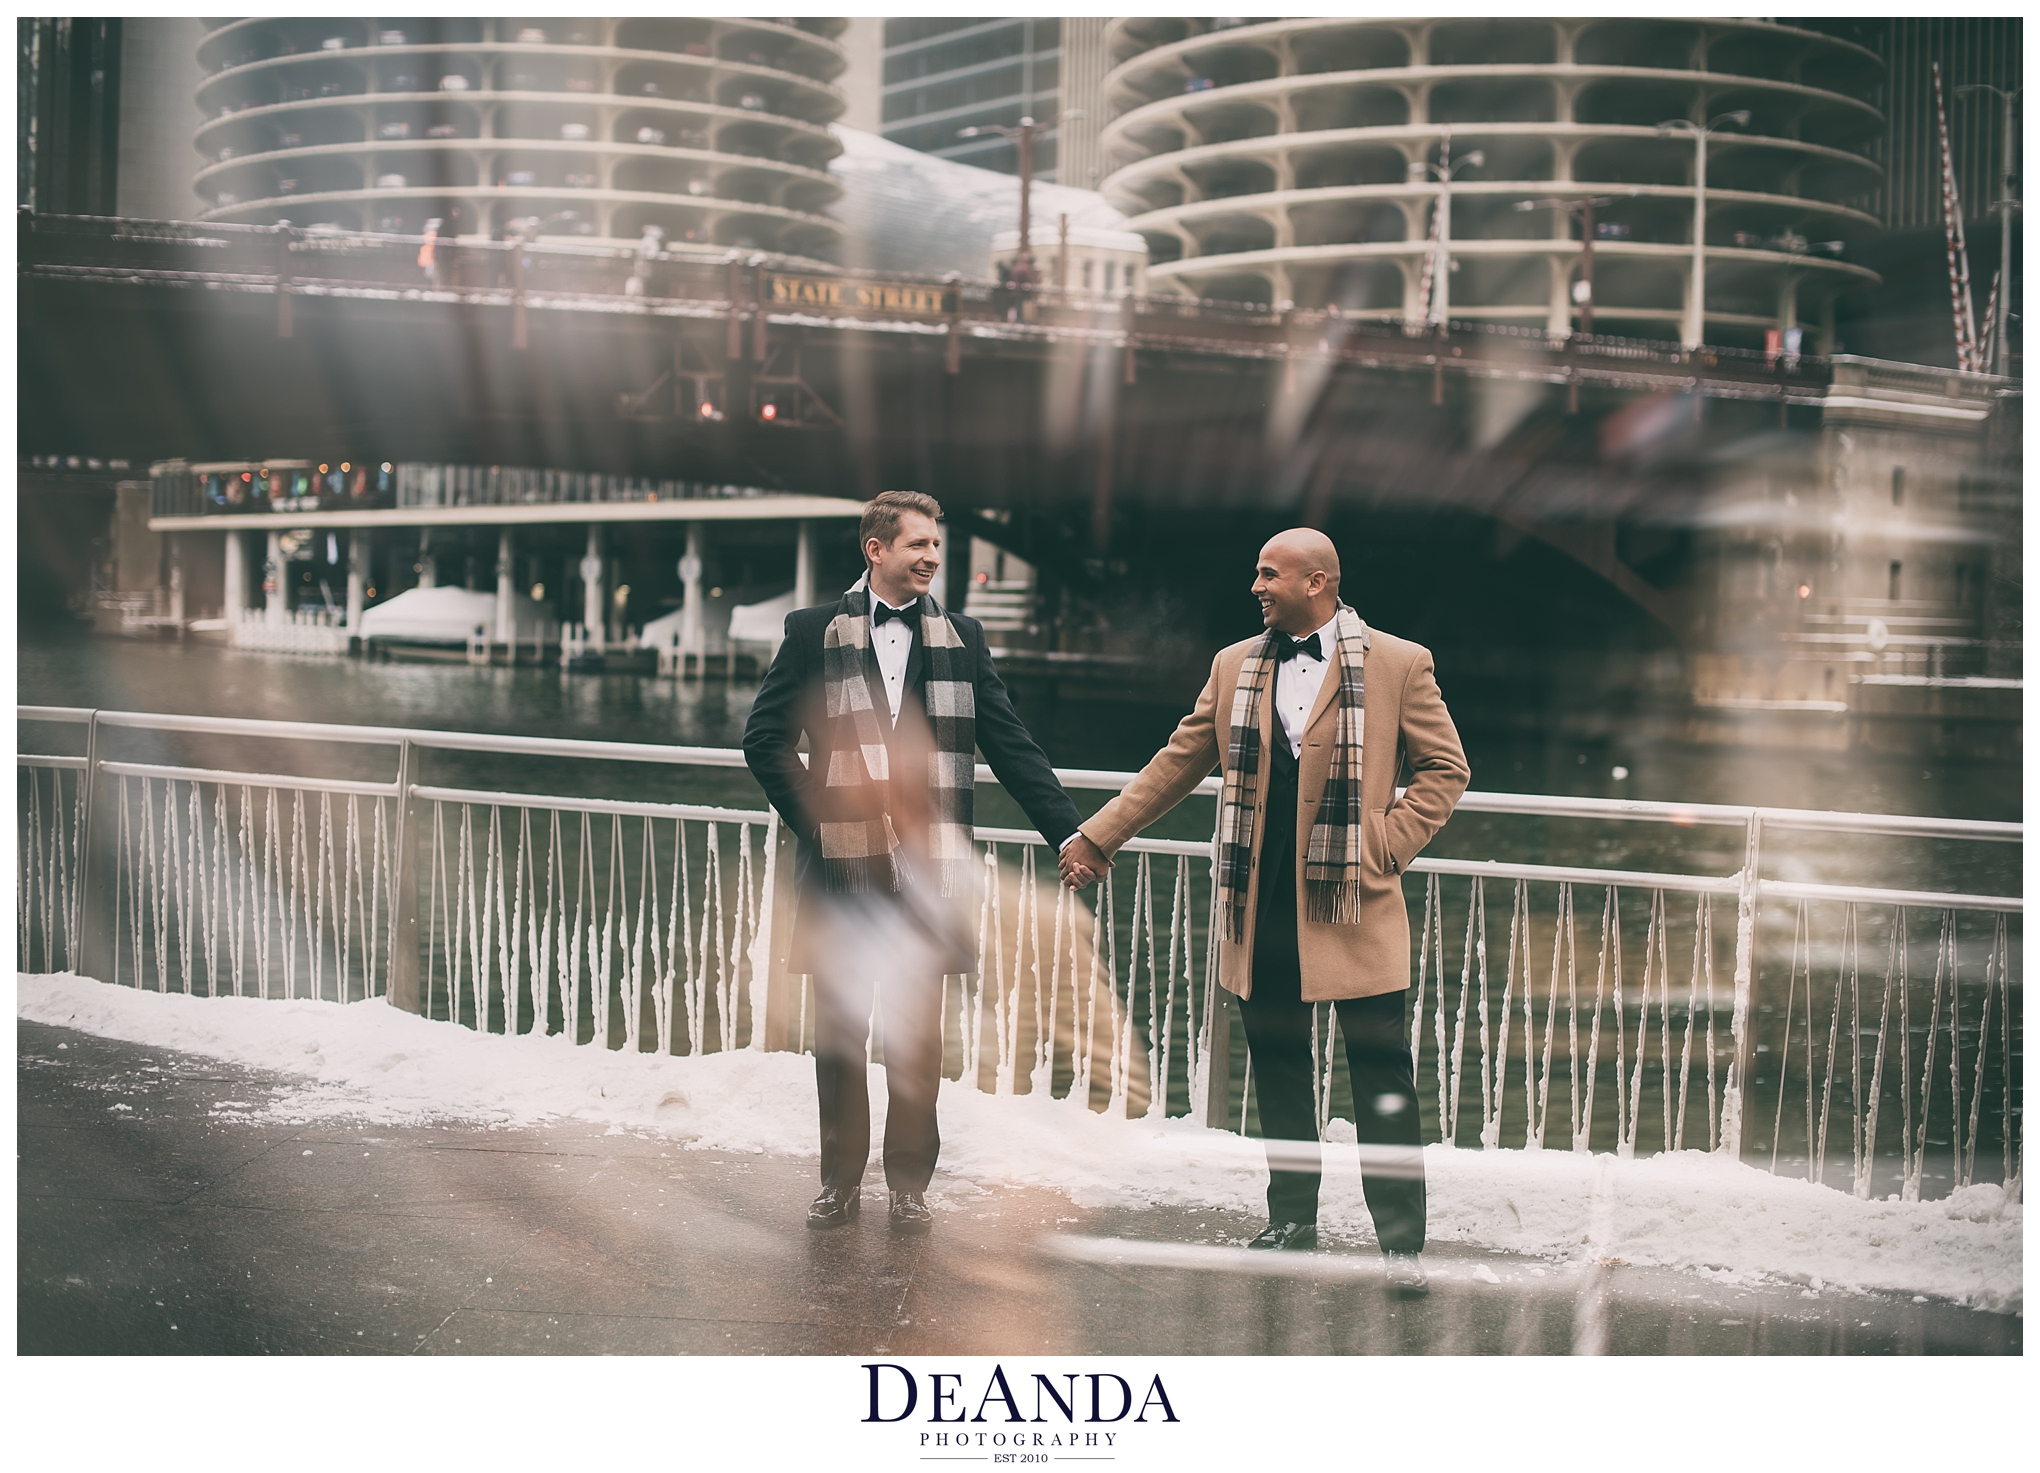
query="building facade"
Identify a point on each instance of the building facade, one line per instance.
(67, 115)
(1311, 161)
(713, 131)
(942, 76)
(1970, 50)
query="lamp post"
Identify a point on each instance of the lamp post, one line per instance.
(1023, 140)
(1442, 171)
(1696, 301)
(2006, 204)
(1581, 210)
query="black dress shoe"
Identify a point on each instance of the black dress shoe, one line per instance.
(910, 1214)
(1405, 1276)
(835, 1207)
(1295, 1237)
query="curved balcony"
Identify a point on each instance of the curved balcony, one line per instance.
(1289, 161)
(713, 130)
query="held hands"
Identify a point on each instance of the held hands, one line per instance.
(1082, 863)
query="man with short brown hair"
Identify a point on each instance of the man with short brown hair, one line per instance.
(895, 695)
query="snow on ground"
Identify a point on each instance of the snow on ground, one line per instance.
(1729, 1222)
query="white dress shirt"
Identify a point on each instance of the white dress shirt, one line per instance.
(1298, 680)
(891, 642)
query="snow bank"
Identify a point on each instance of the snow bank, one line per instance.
(1691, 1211)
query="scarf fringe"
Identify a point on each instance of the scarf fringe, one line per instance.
(1332, 902)
(854, 876)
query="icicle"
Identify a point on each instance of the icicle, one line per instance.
(1473, 908)
(1583, 1132)
(1907, 1191)
(1918, 1167)
(1678, 1142)
(1784, 1060)
(1951, 938)
(1664, 980)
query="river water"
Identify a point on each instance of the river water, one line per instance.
(64, 668)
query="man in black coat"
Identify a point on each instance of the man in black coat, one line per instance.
(895, 696)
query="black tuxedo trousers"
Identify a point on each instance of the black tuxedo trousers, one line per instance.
(1278, 1024)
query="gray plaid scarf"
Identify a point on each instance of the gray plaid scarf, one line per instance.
(860, 848)
(1331, 871)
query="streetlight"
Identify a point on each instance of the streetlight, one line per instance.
(2006, 204)
(1023, 138)
(1442, 171)
(1696, 301)
(1581, 210)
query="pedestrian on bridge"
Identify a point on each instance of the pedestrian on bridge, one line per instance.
(895, 695)
(1319, 714)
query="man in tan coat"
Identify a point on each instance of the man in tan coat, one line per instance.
(1311, 724)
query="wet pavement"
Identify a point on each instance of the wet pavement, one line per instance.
(159, 1214)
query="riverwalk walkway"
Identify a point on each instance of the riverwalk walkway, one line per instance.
(151, 1221)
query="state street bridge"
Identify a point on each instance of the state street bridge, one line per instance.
(1756, 513)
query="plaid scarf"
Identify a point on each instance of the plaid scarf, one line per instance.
(861, 850)
(1331, 871)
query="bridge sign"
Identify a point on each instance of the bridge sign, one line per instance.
(894, 298)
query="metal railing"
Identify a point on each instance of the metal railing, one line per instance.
(1553, 1006)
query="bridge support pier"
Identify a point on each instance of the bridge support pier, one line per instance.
(591, 586)
(693, 627)
(275, 597)
(357, 579)
(234, 583)
(506, 569)
(804, 567)
(173, 546)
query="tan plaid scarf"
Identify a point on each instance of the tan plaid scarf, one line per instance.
(860, 847)
(1331, 871)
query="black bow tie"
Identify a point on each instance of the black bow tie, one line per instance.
(882, 611)
(1287, 648)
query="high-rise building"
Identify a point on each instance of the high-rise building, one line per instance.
(1429, 167)
(1971, 50)
(943, 76)
(714, 131)
(1908, 316)
(67, 115)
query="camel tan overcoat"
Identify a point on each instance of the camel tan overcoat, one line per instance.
(1406, 718)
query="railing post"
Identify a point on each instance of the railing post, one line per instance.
(781, 1026)
(1218, 1010)
(92, 927)
(1741, 1032)
(1218, 1059)
(404, 990)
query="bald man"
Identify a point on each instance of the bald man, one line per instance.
(1311, 724)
